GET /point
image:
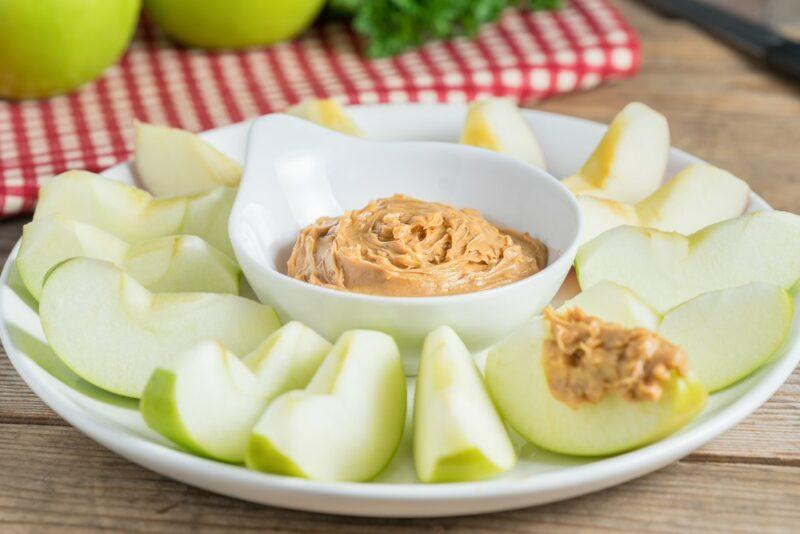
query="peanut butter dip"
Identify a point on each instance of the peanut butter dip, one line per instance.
(401, 246)
(588, 358)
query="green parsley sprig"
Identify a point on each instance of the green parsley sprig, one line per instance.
(392, 26)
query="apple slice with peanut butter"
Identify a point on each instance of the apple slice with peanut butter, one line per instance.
(586, 358)
(594, 378)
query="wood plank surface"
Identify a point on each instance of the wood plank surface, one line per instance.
(721, 107)
(92, 487)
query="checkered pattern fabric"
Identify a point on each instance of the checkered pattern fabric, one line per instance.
(524, 55)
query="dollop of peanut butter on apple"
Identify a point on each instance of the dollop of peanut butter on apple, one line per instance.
(586, 359)
(401, 246)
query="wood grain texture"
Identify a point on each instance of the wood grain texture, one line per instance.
(55, 477)
(721, 107)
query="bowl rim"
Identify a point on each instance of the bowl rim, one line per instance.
(565, 255)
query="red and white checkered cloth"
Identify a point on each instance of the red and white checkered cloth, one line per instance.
(524, 55)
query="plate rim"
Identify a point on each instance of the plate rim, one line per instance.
(399, 499)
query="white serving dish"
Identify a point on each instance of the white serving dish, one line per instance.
(539, 476)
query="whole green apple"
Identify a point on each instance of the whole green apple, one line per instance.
(52, 46)
(232, 23)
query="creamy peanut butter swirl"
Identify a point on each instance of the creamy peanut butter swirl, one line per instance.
(401, 246)
(587, 358)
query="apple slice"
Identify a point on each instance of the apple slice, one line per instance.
(696, 197)
(208, 401)
(728, 334)
(347, 424)
(325, 112)
(167, 264)
(288, 359)
(629, 163)
(615, 304)
(458, 435)
(133, 215)
(113, 332)
(666, 269)
(602, 214)
(516, 379)
(172, 162)
(498, 125)
(205, 400)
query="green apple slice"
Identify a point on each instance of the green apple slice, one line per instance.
(667, 269)
(172, 162)
(113, 332)
(208, 401)
(458, 434)
(497, 124)
(167, 264)
(629, 162)
(288, 359)
(347, 424)
(616, 304)
(728, 334)
(516, 379)
(133, 215)
(696, 197)
(325, 112)
(603, 214)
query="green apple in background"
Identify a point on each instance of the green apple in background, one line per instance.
(233, 23)
(51, 46)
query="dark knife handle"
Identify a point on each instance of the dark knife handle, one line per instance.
(785, 58)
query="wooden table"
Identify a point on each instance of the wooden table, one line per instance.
(721, 107)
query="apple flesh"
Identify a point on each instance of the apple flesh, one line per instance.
(233, 23)
(52, 46)
(325, 112)
(207, 400)
(602, 214)
(167, 264)
(629, 162)
(696, 197)
(288, 359)
(132, 214)
(113, 332)
(497, 124)
(458, 435)
(615, 304)
(173, 162)
(667, 268)
(516, 379)
(728, 334)
(347, 424)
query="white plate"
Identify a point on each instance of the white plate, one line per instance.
(540, 476)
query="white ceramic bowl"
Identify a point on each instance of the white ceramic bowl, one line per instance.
(296, 172)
